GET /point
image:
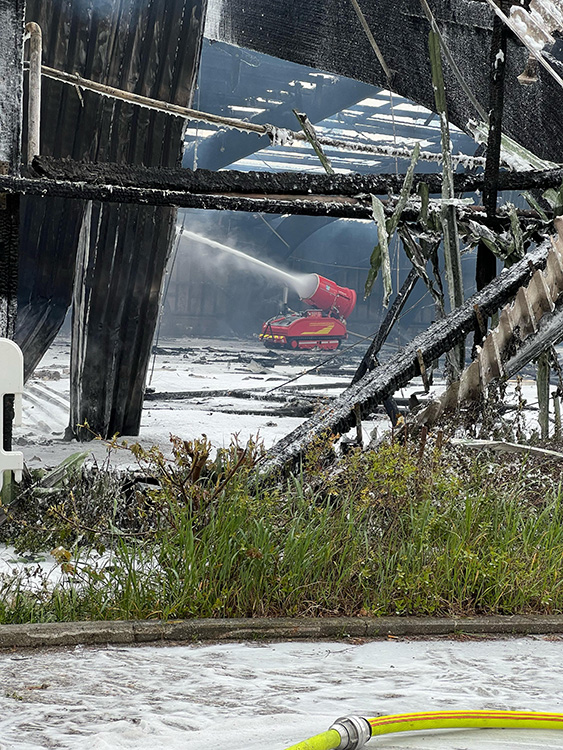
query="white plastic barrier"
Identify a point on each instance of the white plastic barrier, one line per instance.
(11, 382)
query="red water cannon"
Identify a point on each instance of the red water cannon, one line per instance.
(328, 296)
(323, 327)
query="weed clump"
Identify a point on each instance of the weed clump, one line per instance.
(412, 527)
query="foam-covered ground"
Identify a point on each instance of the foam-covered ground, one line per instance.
(246, 696)
(268, 696)
(206, 368)
(204, 372)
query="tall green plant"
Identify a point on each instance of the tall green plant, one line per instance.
(385, 229)
(452, 253)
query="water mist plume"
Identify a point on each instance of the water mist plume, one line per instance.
(303, 284)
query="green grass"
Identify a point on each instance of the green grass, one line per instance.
(395, 532)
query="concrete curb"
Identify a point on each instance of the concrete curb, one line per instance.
(41, 635)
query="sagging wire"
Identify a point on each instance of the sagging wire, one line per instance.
(343, 123)
(416, 304)
(277, 135)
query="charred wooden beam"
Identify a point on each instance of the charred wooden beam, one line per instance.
(321, 206)
(486, 266)
(369, 360)
(333, 206)
(549, 332)
(496, 104)
(276, 183)
(448, 216)
(542, 388)
(384, 380)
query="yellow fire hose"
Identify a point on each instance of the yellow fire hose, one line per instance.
(352, 732)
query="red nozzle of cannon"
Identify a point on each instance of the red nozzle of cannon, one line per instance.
(327, 296)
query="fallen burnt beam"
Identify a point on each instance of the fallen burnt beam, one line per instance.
(384, 380)
(527, 327)
(257, 395)
(369, 360)
(348, 208)
(275, 183)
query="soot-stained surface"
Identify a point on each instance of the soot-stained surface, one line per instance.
(151, 49)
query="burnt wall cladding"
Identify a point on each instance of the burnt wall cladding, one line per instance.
(11, 83)
(102, 40)
(151, 48)
(11, 93)
(141, 47)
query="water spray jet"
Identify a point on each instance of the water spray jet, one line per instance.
(292, 280)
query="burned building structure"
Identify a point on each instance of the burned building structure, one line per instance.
(108, 258)
(263, 89)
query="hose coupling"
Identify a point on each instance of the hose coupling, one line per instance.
(354, 732)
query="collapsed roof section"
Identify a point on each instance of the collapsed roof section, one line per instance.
(322, 34)
(527, 326)
(328, 35)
